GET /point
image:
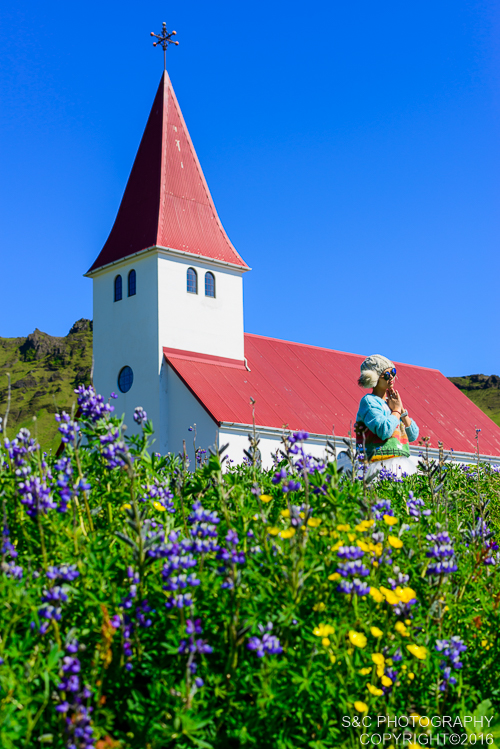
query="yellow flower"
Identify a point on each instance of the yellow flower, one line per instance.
(314, 522)
(418, 651)
(405, 594)
(390, 520)
(323, 630)
(376, 632)
(390, 596)
(374, 690)
(319, 606)
(344, 527)
(255, 517)
(363, 545)
(357, 638)
(288, 533)
(332, 657)
(395, 542)
(301, 515)
(484, 643)
(334, 576)
(360, 706)
(375, 563)
(424, 721)
(386, 682)
(376, 549)
(285, 513)
(266, 498)
(364, 671)
(158, 506)
(376, 595)
(325, 642)
(337, 546)
(411, 675)
(351, 536)
(273, 531)
(378, 658)
(126, 506)
(402, 629)
(364, 525)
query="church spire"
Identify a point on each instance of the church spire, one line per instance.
(167, 202)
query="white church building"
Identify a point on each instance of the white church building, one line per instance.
(169, 327)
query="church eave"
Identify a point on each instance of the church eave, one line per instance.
(171, 252)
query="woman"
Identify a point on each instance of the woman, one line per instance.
(383, 427)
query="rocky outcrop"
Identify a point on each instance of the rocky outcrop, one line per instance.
(476, 382)
(38, 345)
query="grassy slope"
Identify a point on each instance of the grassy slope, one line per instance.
(44, 370)
(483, 391)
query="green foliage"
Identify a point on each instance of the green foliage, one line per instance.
(43, 370)
(483, 391)
(127, 512)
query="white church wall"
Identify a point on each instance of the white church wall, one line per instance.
(195, 322)
(184, 411)
(126, 333)
(270, 441)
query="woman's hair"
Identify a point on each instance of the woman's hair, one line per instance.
(372, 368)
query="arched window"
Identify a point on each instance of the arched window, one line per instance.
(131, 283)
(209, 284)
(118, 288)
(125, 379)
(192, 281)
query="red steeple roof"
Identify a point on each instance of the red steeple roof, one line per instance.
(167, 202)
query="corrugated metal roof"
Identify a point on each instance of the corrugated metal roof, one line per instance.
(311, 388)
(167, 202)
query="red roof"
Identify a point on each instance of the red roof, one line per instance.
(311, 388)
(167, 202)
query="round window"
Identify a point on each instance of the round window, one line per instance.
(125, 379)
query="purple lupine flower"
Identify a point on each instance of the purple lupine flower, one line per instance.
(140, 415)
(381, 508)
(36, 496)
(113, 448)
(441, 549)
(349, 569)
(9, 554)
(279, 476)
(451, 650)
(267, 644)
(69, 428)
(414, 505)
(159, 492)
(92, 405)
(65, 572)
(78, 725)
(350, 552)
(385, 474)
(21, 446)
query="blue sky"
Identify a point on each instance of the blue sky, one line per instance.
(352, 150)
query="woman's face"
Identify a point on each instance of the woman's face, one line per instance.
(385, 382)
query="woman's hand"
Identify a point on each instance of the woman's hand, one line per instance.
(394, 401)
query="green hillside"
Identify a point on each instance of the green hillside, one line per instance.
(484, 391)
(44, 370)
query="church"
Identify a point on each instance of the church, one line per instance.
(169, 329)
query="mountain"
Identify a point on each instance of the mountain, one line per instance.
(484, 391)
(44, 370)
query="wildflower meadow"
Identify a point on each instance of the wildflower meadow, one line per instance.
(149, 604)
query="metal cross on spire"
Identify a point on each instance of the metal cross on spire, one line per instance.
(164, 39)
